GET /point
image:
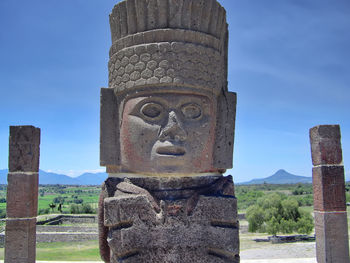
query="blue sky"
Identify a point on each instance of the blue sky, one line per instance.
(289, 62)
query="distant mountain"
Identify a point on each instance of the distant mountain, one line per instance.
(53, 178)
(281, 177)
(92, 178)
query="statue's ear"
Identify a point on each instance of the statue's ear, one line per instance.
(109, 129)
(225, 130)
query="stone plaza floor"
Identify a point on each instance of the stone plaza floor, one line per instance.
(284, 260)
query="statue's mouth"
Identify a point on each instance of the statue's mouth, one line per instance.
(171, 150)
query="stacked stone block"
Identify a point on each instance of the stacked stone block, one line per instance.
(22, 194)
(331, 228)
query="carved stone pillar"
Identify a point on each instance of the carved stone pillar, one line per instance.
(167, 134)
(331, 224)
(22, 194)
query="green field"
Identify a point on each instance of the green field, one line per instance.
(59, 194)
(247, 195)
(67, 195)
(67, 251)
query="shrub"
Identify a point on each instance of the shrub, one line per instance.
(302, 189)
(52, 206)
(87, 209)
(247, 198)
(304, 200)
(2, 213)
(59, 200)
(81, 209)
(44, 211)
(78, 201)
(275, 213)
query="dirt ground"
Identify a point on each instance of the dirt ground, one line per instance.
(250, 249)
(274, 251)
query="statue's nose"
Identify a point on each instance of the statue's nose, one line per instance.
(173, 129)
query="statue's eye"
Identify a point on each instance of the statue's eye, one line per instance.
(191, 111)
(151, 110)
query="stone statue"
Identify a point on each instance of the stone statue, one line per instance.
(167, 131)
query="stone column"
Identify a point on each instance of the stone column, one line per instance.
(331, 227)
(22, 194)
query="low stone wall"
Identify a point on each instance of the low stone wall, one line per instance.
(243, 229)
(45, 232)
(65, 237)
(50, 228)
(2, 239)
(69, 219)
(286, 239)
(58, 237)
(291, 239)
(241, 217)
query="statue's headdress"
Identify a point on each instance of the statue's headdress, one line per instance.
(162, 42)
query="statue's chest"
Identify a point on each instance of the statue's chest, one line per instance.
(137, 233)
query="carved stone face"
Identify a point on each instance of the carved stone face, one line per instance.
(167, 133)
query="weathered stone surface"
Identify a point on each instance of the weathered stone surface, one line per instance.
(180, 62)
(326, 145)
(123, 210)
(174, 187)
(109, 121)
(189, 60)
(24, 146)
(168, 133)
(164, 37)
(332, 241)
(127, 18)
(170, 136)
(126, 209)
(22, 195)
(199, 227)
(158, 244)
(105, 251)
(329, 188)
(20, 240)
(225, 133)
(207, 235)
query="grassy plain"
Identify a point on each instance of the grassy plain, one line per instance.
(72, 251)
(56, 194)
(66, 251)
(67, 195)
